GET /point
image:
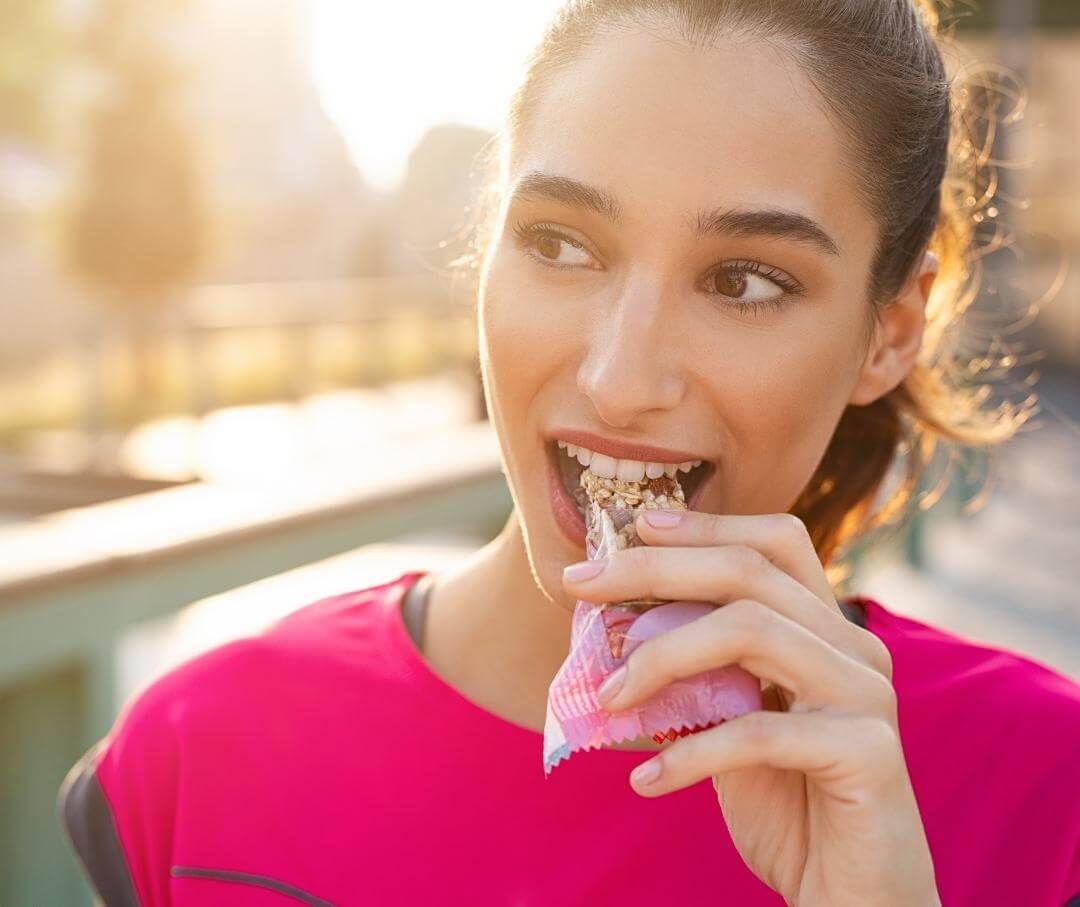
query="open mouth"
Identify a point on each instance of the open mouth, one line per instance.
(571, 460)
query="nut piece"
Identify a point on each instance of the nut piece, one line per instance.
(664, 492)
(610, 505)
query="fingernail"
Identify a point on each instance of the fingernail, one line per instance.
(611, 685)
(646, 773)
(583, 570)
(663, 519)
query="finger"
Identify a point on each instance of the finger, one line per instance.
(831, 748)
(781, 537)
(721, 575)
(769, 646)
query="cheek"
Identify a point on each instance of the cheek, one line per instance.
(793, 384)
(522, 340)
(523, 352)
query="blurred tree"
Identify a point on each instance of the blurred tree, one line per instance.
(371, 247)
(976, 14)
(139, 229)
(33, 45)
(438, 185)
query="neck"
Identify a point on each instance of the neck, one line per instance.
(493, 634)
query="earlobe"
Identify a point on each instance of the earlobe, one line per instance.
(874, 382)
(898, 334)
(867, 387)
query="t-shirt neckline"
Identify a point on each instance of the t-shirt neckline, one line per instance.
(420, 668)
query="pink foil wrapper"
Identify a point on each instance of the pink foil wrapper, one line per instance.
(602, 636)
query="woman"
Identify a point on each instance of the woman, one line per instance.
(715, 230)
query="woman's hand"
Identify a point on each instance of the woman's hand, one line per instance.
(814, 789)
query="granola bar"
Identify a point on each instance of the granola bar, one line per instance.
(621, 500)
(604, 634)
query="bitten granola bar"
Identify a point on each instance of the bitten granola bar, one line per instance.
(603, 635)
(621, 501)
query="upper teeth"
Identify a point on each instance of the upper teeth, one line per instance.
(624, 470)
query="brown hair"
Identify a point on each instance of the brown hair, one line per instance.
(920, 155)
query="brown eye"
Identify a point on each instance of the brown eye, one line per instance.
(545, 244)
(750, 283)
(729, 282)
(548, 245)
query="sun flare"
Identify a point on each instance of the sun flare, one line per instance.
(389, 71)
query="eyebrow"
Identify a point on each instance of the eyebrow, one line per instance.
(777, 222)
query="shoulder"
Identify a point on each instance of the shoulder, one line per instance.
(971, 710)
(933, 660)
(947, 677)
(117, 804)
(351, 631)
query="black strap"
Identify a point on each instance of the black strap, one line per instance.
(854, 610)
(91, 829)
(414, 608)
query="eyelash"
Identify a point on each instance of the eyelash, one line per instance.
(527, 233)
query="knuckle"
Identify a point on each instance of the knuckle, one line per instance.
(637, 566)
(639, 663)
(712, 525)
(881, 740)
(882, 693)
(635, 558)
(884, 658)
(648, 664)
(745, 617)
(689, 757)
(756, 728)
(747, 561)
(678, 758)
(791, 527)
(877, 653)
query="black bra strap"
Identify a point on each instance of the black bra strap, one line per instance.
(853, 610)
(414, 608)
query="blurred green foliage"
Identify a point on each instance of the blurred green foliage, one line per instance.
(983, 14)
(242, 366)
(140, 227)
(33, 45)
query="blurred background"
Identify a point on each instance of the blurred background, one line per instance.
(235, 376)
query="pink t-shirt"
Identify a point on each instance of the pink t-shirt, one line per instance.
(324, 762)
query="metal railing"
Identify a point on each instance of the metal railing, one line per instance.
(365, 313)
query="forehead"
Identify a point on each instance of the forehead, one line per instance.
(667, 128)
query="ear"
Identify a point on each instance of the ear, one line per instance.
(897, 338)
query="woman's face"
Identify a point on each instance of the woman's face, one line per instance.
(719, 311)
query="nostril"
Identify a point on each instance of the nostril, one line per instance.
(630, 386)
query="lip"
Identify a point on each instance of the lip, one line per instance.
(623, 450)
(563, 507)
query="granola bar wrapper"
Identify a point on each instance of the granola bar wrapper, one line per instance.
(602, 638)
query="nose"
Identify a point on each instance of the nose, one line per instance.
(631, 363)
